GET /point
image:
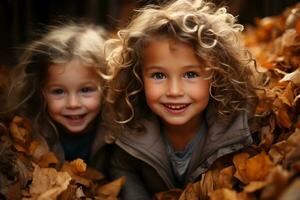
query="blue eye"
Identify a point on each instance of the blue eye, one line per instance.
(57, 91)
(191, 74)
(158, 75)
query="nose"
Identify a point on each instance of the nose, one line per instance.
(73, 101)
(175, 88)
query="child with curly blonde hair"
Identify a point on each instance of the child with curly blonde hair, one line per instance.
(181, 95)
(59, 85)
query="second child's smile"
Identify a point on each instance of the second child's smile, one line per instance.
(176, 108)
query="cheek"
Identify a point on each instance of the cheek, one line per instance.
(53, 106)
(202, 91)
(94, 104)
(151, 91)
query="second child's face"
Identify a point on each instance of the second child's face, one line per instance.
(73, 95)
(174, 84)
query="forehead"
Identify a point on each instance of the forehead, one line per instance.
(169, 51)
(73, 71)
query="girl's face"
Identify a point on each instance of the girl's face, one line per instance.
(174, 83)
(73, 95)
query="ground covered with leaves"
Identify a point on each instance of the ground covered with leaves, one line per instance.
(270, 169)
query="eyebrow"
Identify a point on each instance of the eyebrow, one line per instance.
(153, 67)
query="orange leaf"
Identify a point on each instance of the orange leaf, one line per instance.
(239, 161)
(37, 149)
(258, 167)
(189, 193)
(172, 194)
(47, 183)
(78, 166)
(226, 177)
(223, 194)
(47, 160)
(254, 186)
(113, 188)
(20, 130)
(283, 118)
(297, 27)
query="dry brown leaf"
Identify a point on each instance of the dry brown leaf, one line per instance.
(37, 149)
(92, 174)
(279, 150)
(276, 181)
(283, 118)
(239, 161)
(294, 77)
(288, 96)
(254, 186)
(172, 194)
(78, 166)
(20, 130)
(223, 194)
(189, 193)
(67, 167)
(113, 188)
(48, 159)
(267, 136)
(292, 193)
(226, 177)
(258, 167)
(47, 183)
(253, 169)
(297, 27)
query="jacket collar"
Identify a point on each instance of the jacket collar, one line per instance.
(218, 141)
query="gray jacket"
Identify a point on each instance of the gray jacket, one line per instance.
(142, 159)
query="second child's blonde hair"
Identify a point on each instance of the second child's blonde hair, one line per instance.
(62, 44)
(210, 31)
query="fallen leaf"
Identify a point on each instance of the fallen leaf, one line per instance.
(37, 149)
(47, 183)
(226, 177)
(78, 166)
(239, 161)
(20, 130)
(254, 186)
(172, 194)
(292, 193)
(276, 182)
(223, 194)
(48, 160)
(293, 77)
(113, 188)
(283, 118)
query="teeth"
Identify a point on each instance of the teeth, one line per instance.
(176, 107)
(75, 117)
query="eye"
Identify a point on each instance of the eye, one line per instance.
(57, 91)
(191, 74)
(87, 89)
(158, 75)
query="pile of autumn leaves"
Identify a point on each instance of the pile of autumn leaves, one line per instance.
(28, 170)
(269, 170)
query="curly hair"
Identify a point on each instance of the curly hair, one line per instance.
(210, 31)
(62, 44)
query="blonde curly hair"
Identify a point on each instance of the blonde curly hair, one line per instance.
(214, 35)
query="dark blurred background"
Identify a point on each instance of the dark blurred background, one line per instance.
(22, 21)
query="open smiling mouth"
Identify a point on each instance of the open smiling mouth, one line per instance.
(75, 117)
(176, 107)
